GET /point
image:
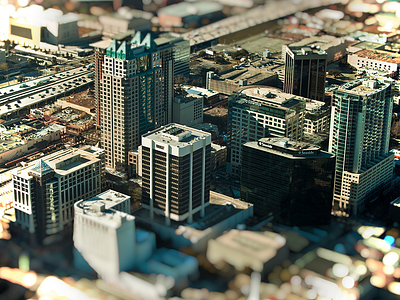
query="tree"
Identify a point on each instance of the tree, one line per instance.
(335, 73)
(4, 67)
(202, 54)
(57, 69)
(8, 79)
(21, 78)
(239, 54)
(7, 44)
(54, 60)
(220, 60)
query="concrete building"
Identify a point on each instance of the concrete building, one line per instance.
(210, 97)
(217, 218)
(176, 172)
(376, 60)
(238, 77)
(19, 140)
(188, 109)
(218, 156)
(291, 180)
(305, 72)
(45, 190)
(359, 137)
(34, 25)
(317, 117)
(259, 251)
(135, 162)
(104, 233)
(115, 24)
(334, 47)
(257, 112)
(134, 99)
(189, 14)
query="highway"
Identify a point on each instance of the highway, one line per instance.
(26, 94)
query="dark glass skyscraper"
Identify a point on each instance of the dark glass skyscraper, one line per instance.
(305, 72)
(292, 180)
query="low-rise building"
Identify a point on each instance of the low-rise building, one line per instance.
(217, 219)
(317, 117)
(218, 156)
(189, 14)
(210, 97)
(238, 77)
(259, 251)
(376, 60)
(20, 140)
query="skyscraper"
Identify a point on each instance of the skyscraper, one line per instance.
(305, 72)
(255, 113)
(292, 180)
(176, 172)
(46, 189)
(137, 89)
(359, 136)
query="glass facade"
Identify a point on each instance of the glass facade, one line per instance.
(297, 190)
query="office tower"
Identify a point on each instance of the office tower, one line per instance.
(292, 180)
(305, 72)
(359, 137)
(181, 52)
(104, 233)
(176, 172)
(255, 113)
(137, 90)
(45, 190)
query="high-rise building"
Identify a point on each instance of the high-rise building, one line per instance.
(255, 113)
(359, 137)
(292, 180)
(45, 190)
(305, 72)
(104, 233)
(176, 172)
(137, 90)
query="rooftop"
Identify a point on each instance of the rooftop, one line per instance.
(176, 135)
(324, 42)
(380, 55)
(261, 96)
(363, 86)
(62, 162)
(251, 74)
(300, 51)
(194, 90)
(185, 9)
(283, 146)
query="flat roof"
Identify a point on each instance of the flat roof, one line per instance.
(185, 9)
(380, 55)
(285, 147)
(363, 86)
(270, 96)
(324, 41)
(110, 198)
(176, 135)
(64, 161)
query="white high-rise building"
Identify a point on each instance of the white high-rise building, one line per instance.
(359, 137)
(176, 172)
(46, 189)
(105, 233)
